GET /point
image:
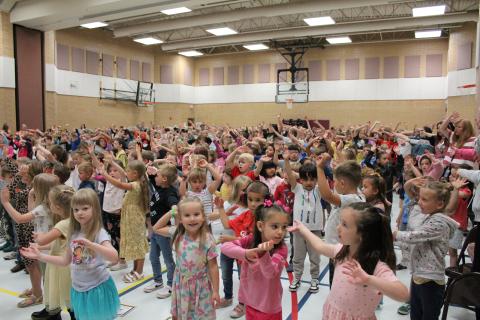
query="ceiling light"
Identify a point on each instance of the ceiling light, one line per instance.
(428, 11)
(94, 25)
(319, 21)
(191, 53)
(338, 40)
(256, 47)
(175, 11)
(222, 31)
(148, 41)
(428, 34)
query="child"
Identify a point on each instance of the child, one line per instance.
(133, 240)
(57, 281)
(364, 263)
(429, 247)
(373, 188)
(42, 222)
(245, 163)
(267, 170)
(474, 177)
(307, 208)
(93, 293)
(236, 205)
(243, 224)
(263, 255)
(164, 196)
(85, 171)
(195, 283)
(347, 178)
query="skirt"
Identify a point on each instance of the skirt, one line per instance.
(99, 303)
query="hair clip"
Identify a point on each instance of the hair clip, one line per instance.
(267, 203)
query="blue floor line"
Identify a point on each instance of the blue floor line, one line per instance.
(308, 294)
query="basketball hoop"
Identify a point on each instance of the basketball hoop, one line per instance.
(289, 102)
(466, 86)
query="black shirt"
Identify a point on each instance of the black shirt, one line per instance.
(162, 200)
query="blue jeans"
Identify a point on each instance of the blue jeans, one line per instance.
(426, 300)
(161, 244)
(226, 263)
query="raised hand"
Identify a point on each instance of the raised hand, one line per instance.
(459, 183)
(218, 202)
(323, 160)
(354, 272)
(296, 226)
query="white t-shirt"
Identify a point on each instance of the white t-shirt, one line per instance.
(307, 207)
(112, 198)
(43, 221)
(206, 197)
(333, 220)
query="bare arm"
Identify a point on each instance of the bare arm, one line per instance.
(323, 186)
(217, 179)
(292, 180)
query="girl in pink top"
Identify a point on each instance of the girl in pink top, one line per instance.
(364, 263)
(263, 255)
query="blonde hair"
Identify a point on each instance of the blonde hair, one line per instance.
(237, 188)
(197, 174)
(248, 157)
(140, 169)
(86, 197)
(442, 191)
(42, 183)
(169, 171)
(180, 231)
(468, 132)
(61, 196)
(85, 167)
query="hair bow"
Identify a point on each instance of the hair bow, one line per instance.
(267, 203)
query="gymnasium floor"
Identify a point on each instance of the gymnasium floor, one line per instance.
(147, 306)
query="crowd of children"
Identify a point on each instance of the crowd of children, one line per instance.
(76, 206)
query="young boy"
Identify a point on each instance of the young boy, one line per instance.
(164, 196)
(307, 208)
(245, 163)
(347, 178)
(85, 171)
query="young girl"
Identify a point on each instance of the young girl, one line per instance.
(133, 239)
(267, 170)
(263, 255)
(373, 188)
(57, 279)
(429, 247)
(364, 263)
(195, 282)
(42, 221)
(93, 292)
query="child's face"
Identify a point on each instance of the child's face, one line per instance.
(161, 180)
(308, 184)
(254, 200)
(293, 155)
(197, 185)
(132, 175)
(270, 172)
(192, 217)
(83, 214)
(429, 202)
(270, 151)
(383, 160)
(113, 171)
(425, 165)
(274, 228)
(244, 165)
(347, 229)
(369, 191)
(84, 176)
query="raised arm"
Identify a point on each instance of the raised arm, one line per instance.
(292, 180)
(322, 181)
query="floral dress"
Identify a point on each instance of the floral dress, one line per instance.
(191, 289)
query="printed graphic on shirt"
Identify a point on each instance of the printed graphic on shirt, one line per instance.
(80, 254)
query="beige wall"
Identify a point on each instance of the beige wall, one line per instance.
(7, 107)
(6, 35)
(460, 37)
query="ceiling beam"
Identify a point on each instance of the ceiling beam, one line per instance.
(236, 15)
(337, 29)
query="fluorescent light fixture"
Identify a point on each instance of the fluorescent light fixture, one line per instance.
(319, 21)
(428, 11)
(256, 47)
(222, 31)
(148, 41)
(191, 53)
(338, 40)
(175, 11)
(428, 34)
(94, 25)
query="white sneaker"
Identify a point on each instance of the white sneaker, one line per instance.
(119, 266)
(152, 287)
(164, 292)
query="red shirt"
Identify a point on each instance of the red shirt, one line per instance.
(236, 172)
(243, 224)
(461, 215)
(284, 196)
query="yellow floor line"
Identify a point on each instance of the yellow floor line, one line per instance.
(11, 293)
(135, 284)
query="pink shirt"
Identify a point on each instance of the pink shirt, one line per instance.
(351, 301)
(272, 183)
(264, 273)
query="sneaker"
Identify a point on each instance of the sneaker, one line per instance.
(152, 287)
(401, 267)
(224, 303)
(294, 285)
(404, 309)
(9, 247)
(18, 267)
(238, 311)
(119, 266)
(313, 286)
(164, 292)
(10, 256)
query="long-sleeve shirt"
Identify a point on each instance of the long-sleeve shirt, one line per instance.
(474, 177)
(263, 273)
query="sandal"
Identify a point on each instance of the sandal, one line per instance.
(26, 293)
(133, 277)
(30, 301)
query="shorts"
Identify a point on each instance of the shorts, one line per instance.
(456, 242)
